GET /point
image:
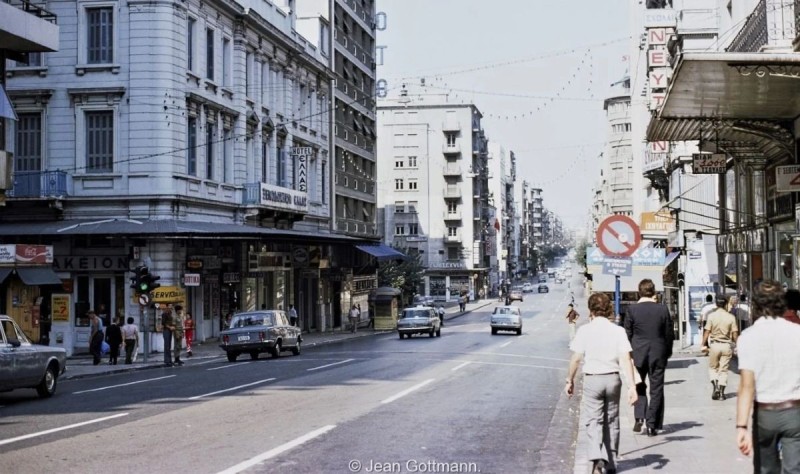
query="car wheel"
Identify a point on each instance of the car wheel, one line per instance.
(401, 335)
(432, 333)
(276, 351)
(254, 355)
(47, 387)
(494, 331)
(232, 356)
(296, 348)
(439, 332)
(519, 332)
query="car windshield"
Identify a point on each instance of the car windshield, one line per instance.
(416, 313)
(506, 311)
(252, 320)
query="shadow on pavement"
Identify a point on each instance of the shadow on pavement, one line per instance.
(674, 382)
(681, 364)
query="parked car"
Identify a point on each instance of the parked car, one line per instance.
(25, 365)
(422, 300)
(542, 278)
(527, 288)
(559, 280)
(419, 320)
(515, 294)
(507, 318)
(543, 288)
(260, 331)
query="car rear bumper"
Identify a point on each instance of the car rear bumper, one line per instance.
(260, 346)
(425, 330)
(506, 327)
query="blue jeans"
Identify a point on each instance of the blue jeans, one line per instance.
(167, 346)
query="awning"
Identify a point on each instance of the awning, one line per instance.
(670, 258)
(33, 276)
(382, 252)
(4, 273)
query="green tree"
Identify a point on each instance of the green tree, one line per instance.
(580, 252)
(405, 275)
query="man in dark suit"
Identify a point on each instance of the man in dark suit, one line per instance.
(649, 328)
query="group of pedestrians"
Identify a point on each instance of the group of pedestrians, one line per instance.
(768, 403)
(174, 328)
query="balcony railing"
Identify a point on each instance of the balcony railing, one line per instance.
(452, 238)
(451, 171)
(352, 226)
(34, 10)
(451, 148)
(451, 193)
(452, 216)
(39, 184)
(451, 126)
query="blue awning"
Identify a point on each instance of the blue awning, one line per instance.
(4, 272)
(34, 276)
(382, 252)
(670, 257)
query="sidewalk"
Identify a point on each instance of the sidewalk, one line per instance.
(80, 365)
(698, 436)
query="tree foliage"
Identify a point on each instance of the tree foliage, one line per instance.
(405, 275)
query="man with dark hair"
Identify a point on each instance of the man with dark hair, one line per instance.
(649, 328)
(707, 309)
(792, 305)
(769, 373)
(719, 336)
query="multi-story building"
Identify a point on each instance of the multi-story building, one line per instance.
(435, 203)
(532, 230)
(501, 200)
(193, 138)
(617, 162)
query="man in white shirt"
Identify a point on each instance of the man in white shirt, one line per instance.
(606, 350)
(769, 373)
(742, 313)
(704, 312)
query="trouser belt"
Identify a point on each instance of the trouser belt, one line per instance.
(778, 405)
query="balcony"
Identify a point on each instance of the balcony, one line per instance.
(451, 148)
(453, 171)
(25, 27)
(452, 216)
(452, 239)
(39, 184)
(451, 126)
(452, 193)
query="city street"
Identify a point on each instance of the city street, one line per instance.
(365, 404)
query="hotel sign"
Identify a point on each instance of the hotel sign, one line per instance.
(283, 198)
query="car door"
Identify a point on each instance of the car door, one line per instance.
(287, 331)
(26, 357)
(6, 359)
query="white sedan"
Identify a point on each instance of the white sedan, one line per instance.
(507, 318)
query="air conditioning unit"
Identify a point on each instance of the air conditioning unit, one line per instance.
(5, 170)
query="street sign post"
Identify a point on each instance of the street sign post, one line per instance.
(618, 266)
(144, 299)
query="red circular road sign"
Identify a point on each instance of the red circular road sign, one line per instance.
(618, 236)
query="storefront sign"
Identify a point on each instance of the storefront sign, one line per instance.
(61, 307)
(268, 261)
(642, 257)
(168, 294)
(619, 266)
(283, 198)
(111, 263)
(231, 277)
(745, 241)
(299, 257)
(660, 17)
(23, 253)
(191, 279)
(657, 222)
(787, 178)
(709, 163)
(205, 262)
(8, 253)
(449, 265)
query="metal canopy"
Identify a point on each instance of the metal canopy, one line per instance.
(720, 85)
(382, 252)
(33, 276)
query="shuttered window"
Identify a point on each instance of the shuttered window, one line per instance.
(100, 35)
(28, 153)
(100, 141)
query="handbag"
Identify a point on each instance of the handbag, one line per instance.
(104, 348)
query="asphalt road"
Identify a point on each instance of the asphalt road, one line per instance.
(373, 404)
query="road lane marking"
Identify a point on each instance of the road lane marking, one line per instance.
(230, 389)
(211, 361)
(230, 365)
(505, 344)
(123, 385)
(56, 430)
(407, 391)
(330, 365)
(460, 366)
(276, 451)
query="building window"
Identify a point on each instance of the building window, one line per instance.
(400, 229)
(28, 152)
(452, 208)
(210, 54)
(265, 85)
(279, 165)
(324, 187)
(191, 147)
(412, 184)
(452, 253)
(451, 139)
(227, 154)
(398, 184)
(191, 29)
(100, 35)
(226, 62)
(100, 141)
(413, 207)
(398, 164)
(413, 229)
(452, 231)
(210, 145)
(399, 207)
(412, 161)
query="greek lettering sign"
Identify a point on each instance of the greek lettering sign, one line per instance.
(619, 266)
(787, 178)
(168, 294)
(709, 163)
(642, 257)
(115, 263)
(7, 253)
(283, 198)
(191, 279)
(449, 265)
(661, 17)
(657, 222)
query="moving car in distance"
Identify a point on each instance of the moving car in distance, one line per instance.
(527, 288)
(542, 278)
(515, 294)
(255, 332)
(543, 288)
(25, 365)
(419, 320)
(506, 318)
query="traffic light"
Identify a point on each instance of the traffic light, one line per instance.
(137, 278)
(147, 281)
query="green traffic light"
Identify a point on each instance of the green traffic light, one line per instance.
(144, 287)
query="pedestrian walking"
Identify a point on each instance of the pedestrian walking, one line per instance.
(649, 329)
(96, 336)
(572, 320)
(167, 326)
(352, 316)
(792, 305)
(114, 340)
(742, 312)
(704, 312)
(292, 315)
(188, 330)
(605, 349)
(440, 312)
(719, 336)
(769, 374)
(130, 333)
(177, 335)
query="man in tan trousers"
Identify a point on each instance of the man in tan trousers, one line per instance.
(719, 336)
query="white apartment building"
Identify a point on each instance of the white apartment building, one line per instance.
(502, 178)
(617, 164)
(433, 172)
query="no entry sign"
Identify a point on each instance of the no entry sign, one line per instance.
(618, 236)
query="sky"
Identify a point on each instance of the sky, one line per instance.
(538, 70)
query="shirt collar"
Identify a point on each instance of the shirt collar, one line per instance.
(645, 299)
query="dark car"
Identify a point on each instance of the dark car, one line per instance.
(260, 331)
(25, 365)
(543, 288)
(419, 320)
